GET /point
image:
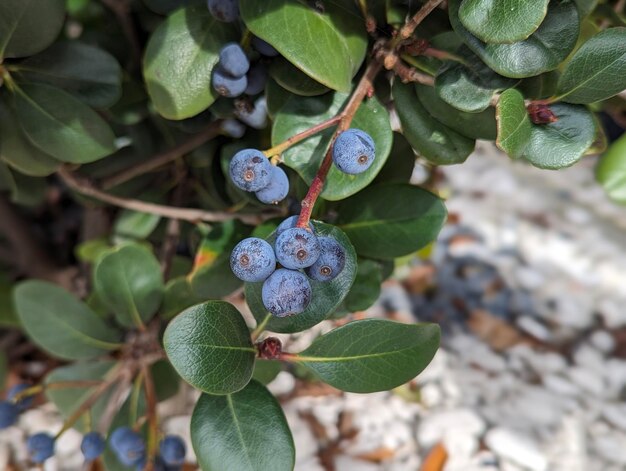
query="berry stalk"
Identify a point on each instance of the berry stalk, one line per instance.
(283, 146)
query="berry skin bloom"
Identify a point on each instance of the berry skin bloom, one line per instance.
(250, 170)
(128, 445)
(257, 78)
(226, 85)
(286, 292)
(9, 413)
(25, 402)
(277, 189)
(330, 263)
(173, 450)
(92, 446)
(253, 260)
(40, 447)
(289, 223)
(224, 10)
(233, 60)
(264, 47)
(297, 248)
(354, 151)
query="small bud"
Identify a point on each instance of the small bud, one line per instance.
(270, 349)
(540, 113)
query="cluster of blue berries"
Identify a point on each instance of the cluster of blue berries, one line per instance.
(10, 408)
(251, 171)
(234, 75)
(130, 449)
(287, 291)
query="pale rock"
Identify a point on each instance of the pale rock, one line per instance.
(431, 395)
(588, 380)
(529, 278)
(516, 448)
(560, 385)
(611, 446)
(282, 384)
(614, 371)
(434, 427)
(348, 463)
(305, 441)
(612, 311)
(589, 357)
(534, 328)
(615, 414)
(603, 341)
(311, 463)
(435, 369)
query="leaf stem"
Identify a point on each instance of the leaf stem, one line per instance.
(153, 420)
(283, 146)
(260, 327)
(39, 388)
(409, 27)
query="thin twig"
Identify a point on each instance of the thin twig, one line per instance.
(409, 27)
(153, 420)
(172, 231)
(283, 146)
(258, 330)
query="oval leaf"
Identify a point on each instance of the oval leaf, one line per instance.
(210, 347)
(407, 215)
(502, 21)
(366, 287)
(514, 126)
(180, 57)
(60, 323)
(597, 70)
(611, 170)
(327, 295)
(371, 355)
(294, 80)
(432, 139)
(231, 432)
(128, 280)
(299, 114)
(61, 125)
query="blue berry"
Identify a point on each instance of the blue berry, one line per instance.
(264, 47)
(233, 60)
(224, 10)
(286, 292)
(257, 78)
(289, 223)
(173, 450)
(118, 436)
(40, 447)
(250, 170)
(233, 128)
(226, 85)
(330, 262)
(257, 117)
(252, 260)
(25, 402)
(354, 151)
(297, 248)
(9, 413)
(92, 446)
(129, 446)
(277, 189)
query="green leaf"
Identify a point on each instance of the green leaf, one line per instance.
(134, 225)
(3, 369)
(62, 126)
(400, 164)
(29, 26)
(179, 60)
(371, 355)
(166, 379)
(514, 126)
(18, 152)
(366, 287)
(178, 296)
(88, 73)
(597, 70)
(165, 7)
(586, 6)
(128, 280)
(68, 400)
(430, 138)
(61, 324)
(407, 215)
(299, 114)
(542, 51)
(293, 79)
(539, 87)
(266, 370)
(611, 170)
(473, 125)
(502, 21)
(8, 317)
(276, 97)
(327, 47)
(245, 431)
(327, 295)
(564, 142)
(210, 347)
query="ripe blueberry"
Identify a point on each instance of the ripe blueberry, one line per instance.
(233, 128)
(224, 10)
(9, 413)
(354, 151)
(289, 223)
(257, 78)
(297, 248)
(92, 446)
(25, 402)
(128, 445)
(331, 261)
(277, 189)
(250, 170)
(40, 447)
(257, 117)
(233, 60)
(264, 47)
(173, 450)
(252, 260)
(286, 292)
(226, 85)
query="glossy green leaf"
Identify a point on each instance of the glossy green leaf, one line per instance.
(276, 97)
(430, 138)
(178, 296)
(366, 287)
(128, 280)
(371, 355)
(134, 225)
(327, 295)
(540, 87)
(245, 431)
(514, 126)
(294, 80)
(61, 125)
(502, 21)
(17, 151)
(29, 26)
(61, 324)
(179, 60)
(564, 142)
(400, 164)
(266, 370)
(325, 46)
(209, 345)
(597, 70)
(165, 7)
(544, 50)
(68, 400)
(473, 125)
(90, 74)
(611, 170)
(407, 215)
(586, 6)
(166, 379)
(299, 114)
